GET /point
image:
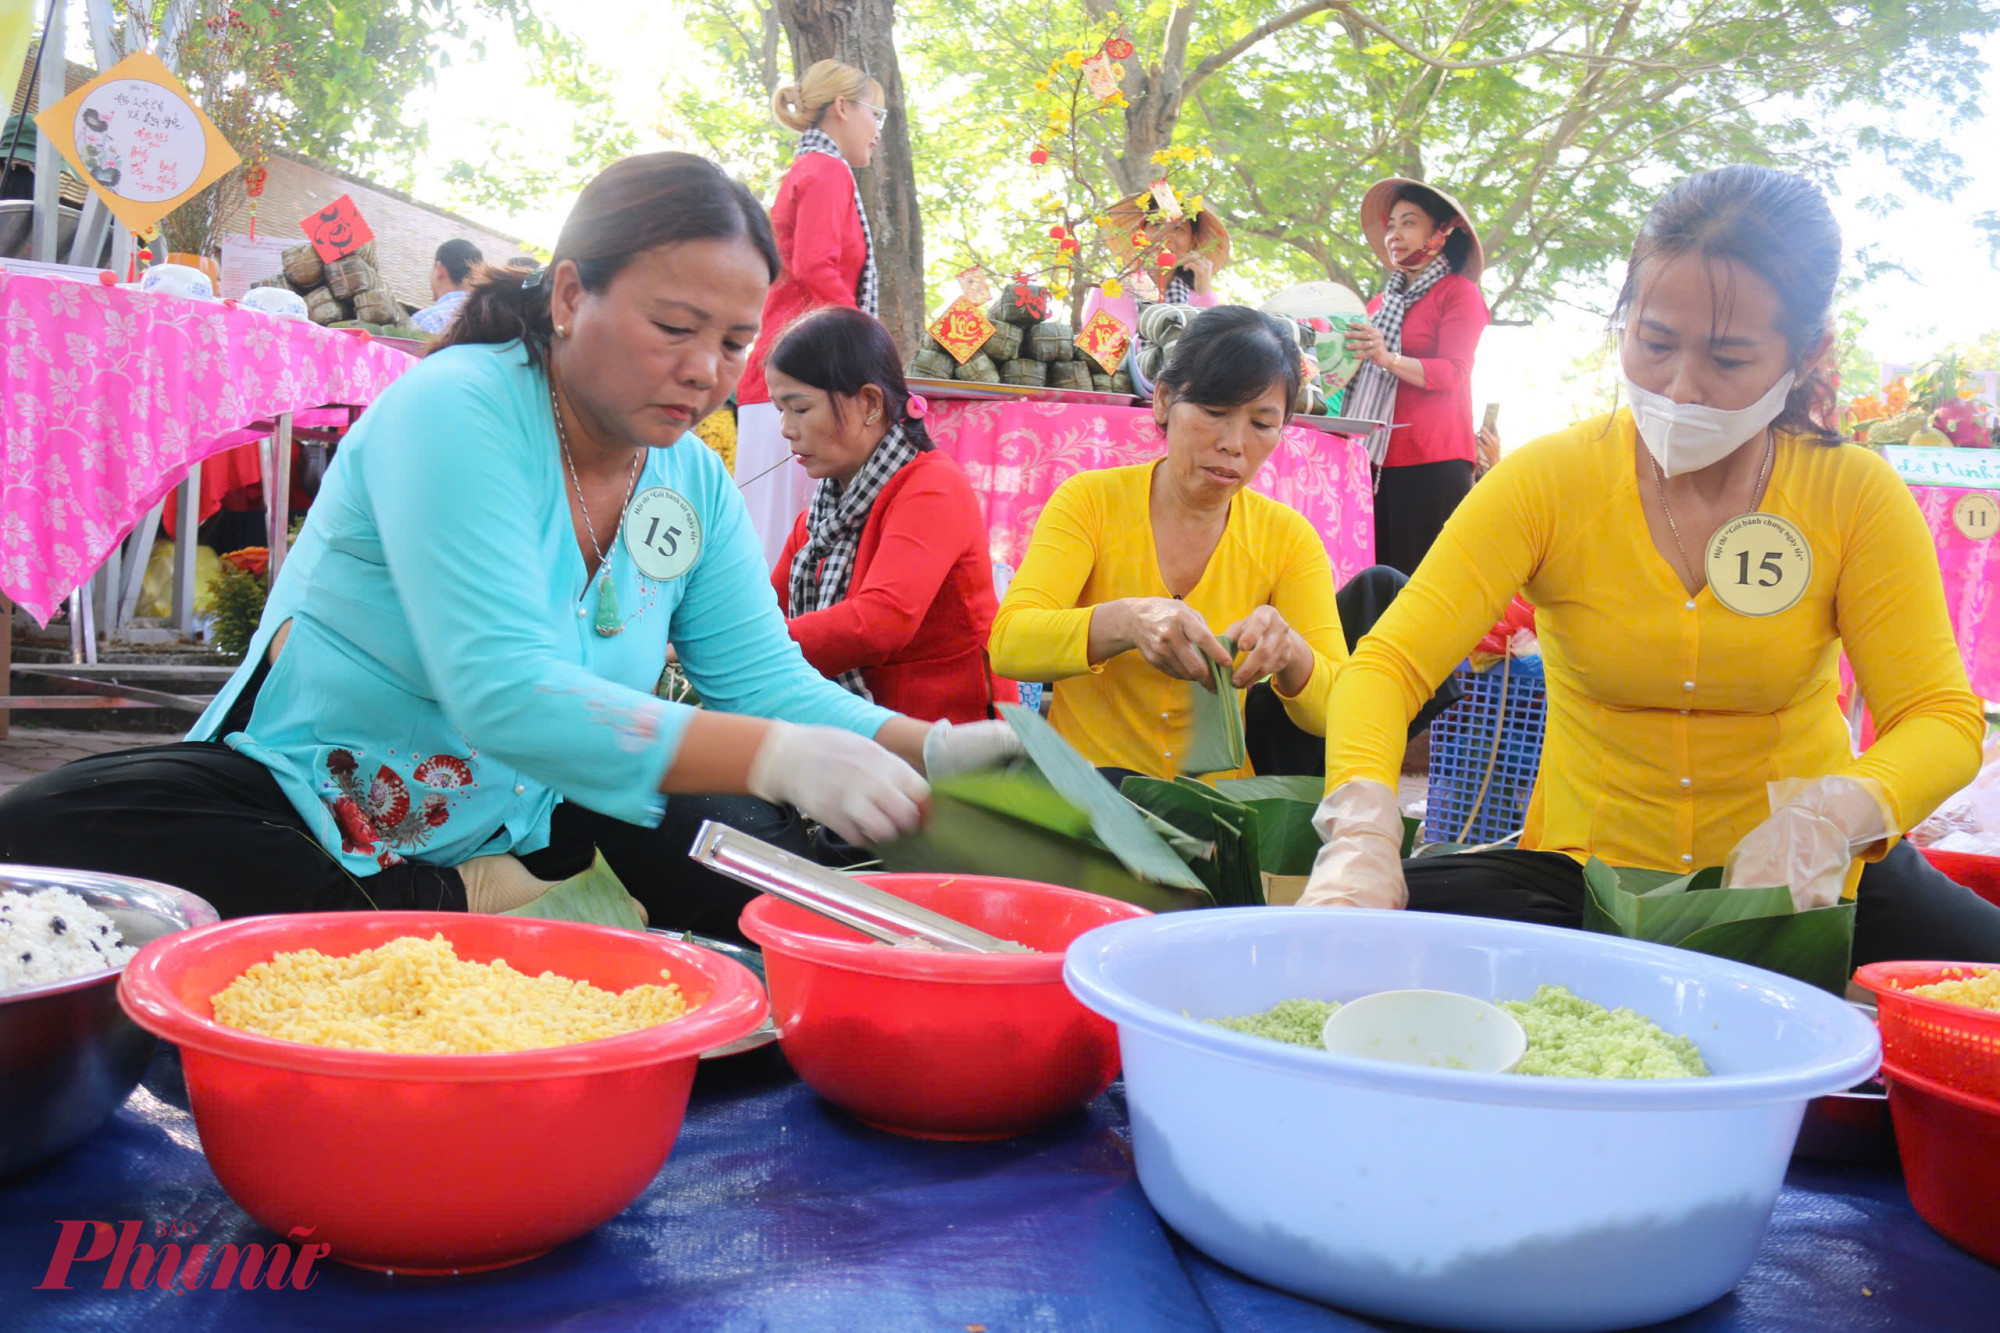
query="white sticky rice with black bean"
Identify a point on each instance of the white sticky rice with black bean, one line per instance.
(52, 935)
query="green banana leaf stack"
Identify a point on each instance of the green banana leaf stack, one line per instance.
(1163, 845)
(1756, 926)
(1054, 818)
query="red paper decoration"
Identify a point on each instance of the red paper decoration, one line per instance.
(1039, 157)
(337, 230)
(962, 329)
(1118, 49)
(1104, 340)
(1030, 299)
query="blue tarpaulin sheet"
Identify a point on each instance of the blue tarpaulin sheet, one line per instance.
(778, 1212)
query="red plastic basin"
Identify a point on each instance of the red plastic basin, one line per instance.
(942, 1045)
(1979, 873)
(1950, 1144)
(437, 1163)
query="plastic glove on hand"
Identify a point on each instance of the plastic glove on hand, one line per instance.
(853, 786)
(969, 747)
(1815, 831)
(1361, 864)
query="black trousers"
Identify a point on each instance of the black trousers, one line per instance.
(1411, 505)
(204, 818)
(1904, 907)
(1278, 745)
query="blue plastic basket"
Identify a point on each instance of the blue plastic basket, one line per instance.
(1462, 745)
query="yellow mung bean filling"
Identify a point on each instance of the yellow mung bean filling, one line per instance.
(418, 997)
(1980, 990)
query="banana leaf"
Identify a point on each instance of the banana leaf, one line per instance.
(1815, 946)
(596, 897)
(1287, 841)
(1756, 926)
(1278, 787)
(1232, 877)
(1118, 827)
(974, 839)
(1021, 793)
(1186, 846)
(1216, 742)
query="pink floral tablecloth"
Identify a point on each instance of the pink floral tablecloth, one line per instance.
(107, 396)
(1971, 568)
(1018, 453)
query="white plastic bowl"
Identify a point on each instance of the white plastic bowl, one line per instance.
(1461, 1200)
(280, 301)
(178, 280)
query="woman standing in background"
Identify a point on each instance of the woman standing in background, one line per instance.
(1417, 351)
(829, 260)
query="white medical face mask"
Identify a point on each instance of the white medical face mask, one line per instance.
(1687, 437)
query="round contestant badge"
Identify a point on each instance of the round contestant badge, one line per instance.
(663, 533)
(1976, 516)
(1758, 564)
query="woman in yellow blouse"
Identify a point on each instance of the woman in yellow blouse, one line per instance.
(1697, 563)
(1133, 572)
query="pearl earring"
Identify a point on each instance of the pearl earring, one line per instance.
(562, 330)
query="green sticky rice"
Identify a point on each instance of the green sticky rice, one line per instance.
(1296, 1022)
(1568, 1036)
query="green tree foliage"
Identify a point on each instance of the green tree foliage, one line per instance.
(1557, 122)
(349, 64)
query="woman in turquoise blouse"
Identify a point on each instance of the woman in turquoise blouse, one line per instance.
(449, 701)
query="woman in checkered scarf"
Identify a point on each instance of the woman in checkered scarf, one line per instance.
(886, 581)
(1416, 375)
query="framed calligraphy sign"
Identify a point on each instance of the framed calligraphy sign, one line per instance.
(137, 137)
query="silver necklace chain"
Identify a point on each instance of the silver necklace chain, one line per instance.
(562, 437)
(1660, 484)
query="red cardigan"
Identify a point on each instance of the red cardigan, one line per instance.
(920, 605)
(820, 242)
(1434, 424)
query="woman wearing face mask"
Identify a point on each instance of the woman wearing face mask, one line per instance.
(1697, 561)
(1416, 374)
(828, 257)
(886, 582)
(449, 702)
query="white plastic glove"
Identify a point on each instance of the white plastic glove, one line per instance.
(847, 782)
(1362, 862)
(969, 747)
(1815, 831)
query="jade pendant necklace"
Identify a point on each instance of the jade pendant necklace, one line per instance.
(607, 622)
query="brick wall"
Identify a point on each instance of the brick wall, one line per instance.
(407, 233)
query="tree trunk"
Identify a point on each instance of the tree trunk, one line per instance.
(862, 33)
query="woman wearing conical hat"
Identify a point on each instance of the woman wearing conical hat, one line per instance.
(1138, 231)
(1417, 350)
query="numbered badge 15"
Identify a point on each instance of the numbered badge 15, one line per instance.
(663, 533)
(1758, 564)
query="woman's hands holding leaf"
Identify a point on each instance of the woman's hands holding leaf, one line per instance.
(1168, 633)
(1270, 647)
